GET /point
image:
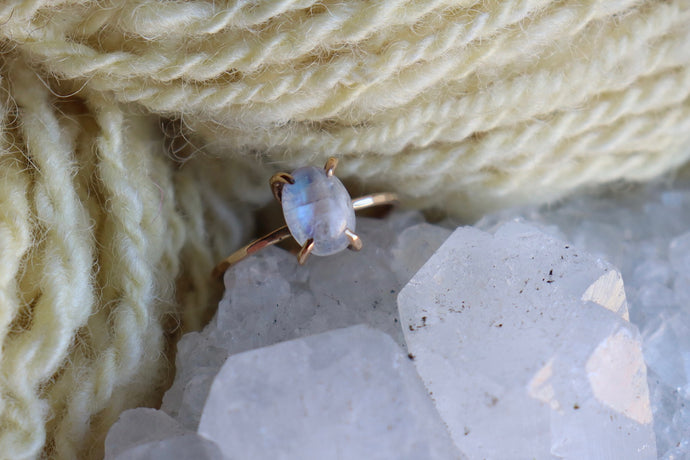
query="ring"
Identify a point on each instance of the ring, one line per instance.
(319, 214)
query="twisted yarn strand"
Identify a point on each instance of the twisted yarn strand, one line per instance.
(453, 120)
(15, 242)
(134, 230)
(91, 238)
(15, 227)
(397, 64)
(66, 276)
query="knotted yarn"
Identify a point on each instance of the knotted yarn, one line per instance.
(107, 234)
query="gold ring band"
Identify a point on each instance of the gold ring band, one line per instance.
(282, 233)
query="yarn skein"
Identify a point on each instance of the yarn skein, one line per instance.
(93, 237)
(109, 228)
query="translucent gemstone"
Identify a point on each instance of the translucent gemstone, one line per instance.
(319, 207)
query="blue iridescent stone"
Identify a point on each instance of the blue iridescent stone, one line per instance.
(317, 206)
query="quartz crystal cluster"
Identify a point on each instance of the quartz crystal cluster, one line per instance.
(510, 339)
(645, 233)
(522, 336)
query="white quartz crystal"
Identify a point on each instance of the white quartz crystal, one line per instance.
(349, 393)
(413, 247)
(318, 206)
(583, 382)
(269, 298)
(149, 434)
(645, 232)
(508, 338)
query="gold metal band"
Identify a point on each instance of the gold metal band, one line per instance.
(376, 199)
(282, 233)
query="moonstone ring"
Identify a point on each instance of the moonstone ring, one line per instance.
(318, 211)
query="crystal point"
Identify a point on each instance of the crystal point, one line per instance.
(349, 393)
(523, 338)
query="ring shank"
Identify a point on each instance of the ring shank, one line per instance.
(376, 199)
(282, 233)
(276, 236)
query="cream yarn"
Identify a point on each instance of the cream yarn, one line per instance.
(469, 105)
(96, 225)
(106, 238)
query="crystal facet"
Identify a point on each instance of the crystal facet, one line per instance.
(524, 338)
(644, 231)
(319, 207)
(349, 393)
(150, 434)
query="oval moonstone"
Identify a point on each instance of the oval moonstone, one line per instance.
(317, 206)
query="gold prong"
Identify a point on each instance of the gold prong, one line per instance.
(278, 180)
(305, 251)
(355, 241)
(330, 166)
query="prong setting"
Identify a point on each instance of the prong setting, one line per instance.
(355, 241)
(316, 208)
(319, 207)
(278, 180)
(331, 164)
(303, 253)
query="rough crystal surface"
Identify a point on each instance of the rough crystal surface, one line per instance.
(149, 434)
(269, 298)
(644, 231)
(507, 336)
(319, 207)
(349, 393)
